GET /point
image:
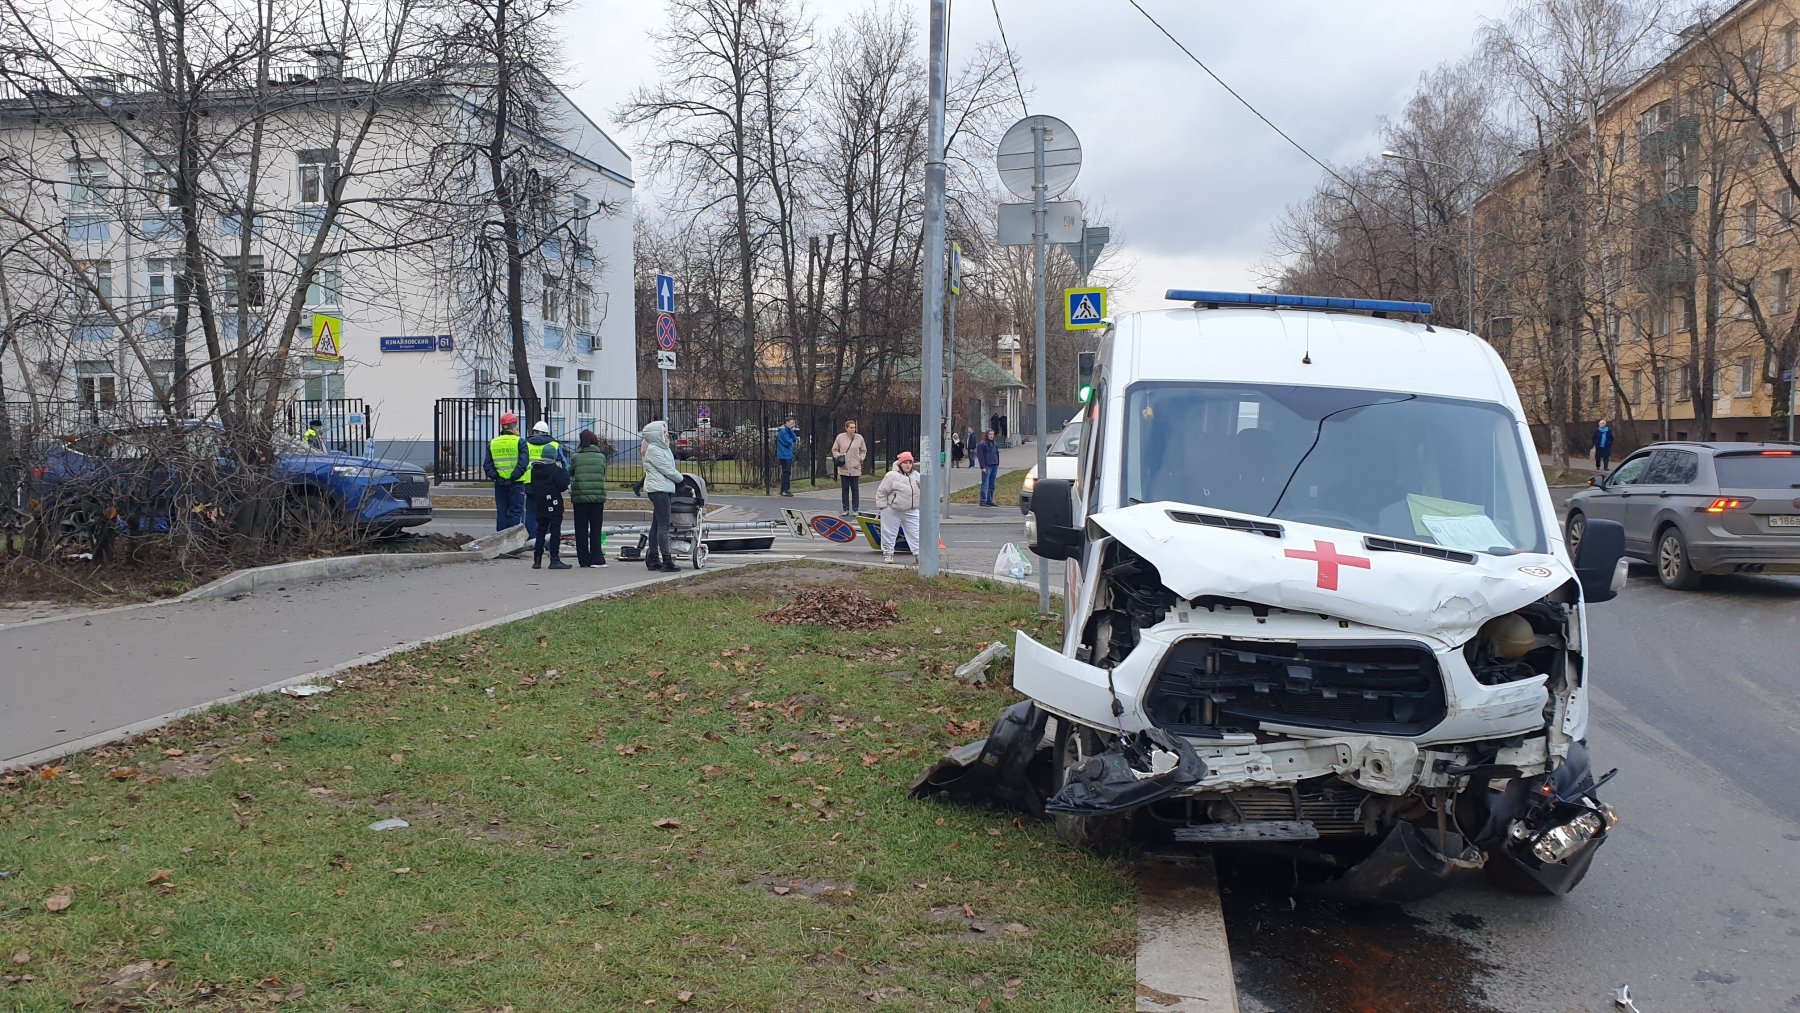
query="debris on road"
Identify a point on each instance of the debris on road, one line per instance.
(1622, 999)
(975, 670)
(312, 689)
(840, 608)
(393, 824)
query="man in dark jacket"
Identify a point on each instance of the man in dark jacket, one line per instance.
(785, 438)
(987, 458)
(548, 480)
(540, 444)
(1603, 444)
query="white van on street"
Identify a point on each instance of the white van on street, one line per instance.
(1316, 598)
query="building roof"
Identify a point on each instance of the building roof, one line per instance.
(976, 366)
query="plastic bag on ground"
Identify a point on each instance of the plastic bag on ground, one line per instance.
(1012, 562)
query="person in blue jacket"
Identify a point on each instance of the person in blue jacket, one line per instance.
(1603, 444)
(785, 438)
(987, 458)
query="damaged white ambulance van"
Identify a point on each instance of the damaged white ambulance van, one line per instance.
(1317, 599)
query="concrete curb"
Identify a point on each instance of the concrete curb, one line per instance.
(260, 577)
(1184, 958)
(87, 742)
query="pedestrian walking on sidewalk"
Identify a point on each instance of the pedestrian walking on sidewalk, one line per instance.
(508, 466)
(956, 448)
(548, 481)
(587, 491)
(1603, 444)
(785, 438)
(970, 438)
(897, 497)
(987, 458)
(660, 477)
(848, 452)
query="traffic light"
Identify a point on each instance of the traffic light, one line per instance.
(1084, 376)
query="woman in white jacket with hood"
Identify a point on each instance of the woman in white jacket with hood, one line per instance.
(660, 477)
(898, 498)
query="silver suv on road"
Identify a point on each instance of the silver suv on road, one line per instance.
(1692, 509)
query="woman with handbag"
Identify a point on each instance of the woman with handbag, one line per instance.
(848, 452)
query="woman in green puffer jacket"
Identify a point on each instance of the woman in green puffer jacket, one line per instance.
(587, 490)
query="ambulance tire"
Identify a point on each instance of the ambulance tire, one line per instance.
(1103, 835)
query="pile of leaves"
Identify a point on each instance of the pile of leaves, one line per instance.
(839, 607)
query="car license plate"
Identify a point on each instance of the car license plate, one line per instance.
(1785, 521)
(421, 502)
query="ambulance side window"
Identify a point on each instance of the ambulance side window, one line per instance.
(1090, 452)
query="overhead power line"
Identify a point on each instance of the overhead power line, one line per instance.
(1244, 101)
(1009, 57)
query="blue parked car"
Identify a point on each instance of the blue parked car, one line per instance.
(149, 467)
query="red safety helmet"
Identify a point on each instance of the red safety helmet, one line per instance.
(509, 419)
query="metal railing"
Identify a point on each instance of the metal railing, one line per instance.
(730, 444)
(345, 423)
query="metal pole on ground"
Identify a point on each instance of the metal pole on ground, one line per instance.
(931, 358)
(1039, 238)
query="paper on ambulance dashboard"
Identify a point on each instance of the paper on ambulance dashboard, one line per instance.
(1475, 532)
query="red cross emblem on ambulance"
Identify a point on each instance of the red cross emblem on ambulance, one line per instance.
(1326, 555)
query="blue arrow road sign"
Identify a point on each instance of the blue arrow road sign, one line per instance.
(665, 293)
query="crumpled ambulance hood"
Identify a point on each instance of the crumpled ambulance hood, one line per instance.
(1439, 598)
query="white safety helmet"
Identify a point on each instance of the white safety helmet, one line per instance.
(540, 426)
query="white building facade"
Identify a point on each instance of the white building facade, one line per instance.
(91, 256)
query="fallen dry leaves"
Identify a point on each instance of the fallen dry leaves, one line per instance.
(839, 608)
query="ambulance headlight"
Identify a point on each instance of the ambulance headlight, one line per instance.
(1564, 840)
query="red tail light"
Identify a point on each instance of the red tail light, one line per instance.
(39, 472)
(1725, 503)
(1777, 453)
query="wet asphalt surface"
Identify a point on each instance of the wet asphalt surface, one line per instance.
(1694, 901)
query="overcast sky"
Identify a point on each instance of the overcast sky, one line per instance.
(1192, 178)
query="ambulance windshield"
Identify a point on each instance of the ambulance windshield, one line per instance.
(1424, 469)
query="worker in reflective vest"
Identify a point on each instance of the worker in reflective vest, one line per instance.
(312, 437)
(507, 465)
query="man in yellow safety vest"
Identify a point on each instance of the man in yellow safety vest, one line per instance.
(508, 464)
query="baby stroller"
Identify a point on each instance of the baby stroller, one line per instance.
(687, 523)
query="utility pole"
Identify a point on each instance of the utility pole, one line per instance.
(949, 432)
(1040, 237)
(931, 358)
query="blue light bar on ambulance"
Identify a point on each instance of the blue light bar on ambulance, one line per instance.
(1299, 302)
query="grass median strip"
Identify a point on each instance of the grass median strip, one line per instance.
(1006, 490)
(662, 798)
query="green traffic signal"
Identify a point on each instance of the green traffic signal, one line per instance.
(1085, 394)
(1084, 376)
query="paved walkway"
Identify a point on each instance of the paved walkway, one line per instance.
(66, 680)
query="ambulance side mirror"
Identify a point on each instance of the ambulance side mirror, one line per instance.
(1053, 508)
(1598, 560)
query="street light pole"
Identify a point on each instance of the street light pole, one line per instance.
(931, 356)
(1469, 256)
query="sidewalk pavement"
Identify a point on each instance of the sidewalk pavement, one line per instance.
(1011, 459)
(70, 679)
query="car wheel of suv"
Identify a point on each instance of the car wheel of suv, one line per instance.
(1099, 834)
(1576, 527)
(1673, 568)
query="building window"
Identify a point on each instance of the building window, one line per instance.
(1789, 46)
(1594, 390)
(553, 299)
(245, 276)
(1721, 92)
(1784, 132)
(1659, 318)
(1637, 386)
(87, 183)
(1682, 379)
(159, 185)
(93, 286)
(1784, 291)
(327, 288)
(581, 312)
(578, 219)
(1745, 376)
(96, 383)
(1784, 210)
(318, 169)
(163, 282)
(1747, 225)
(1683, 319)
(552, 383)
(584, 390)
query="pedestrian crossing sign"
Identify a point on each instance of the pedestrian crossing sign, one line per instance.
(1084, 309)
(328, 338)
